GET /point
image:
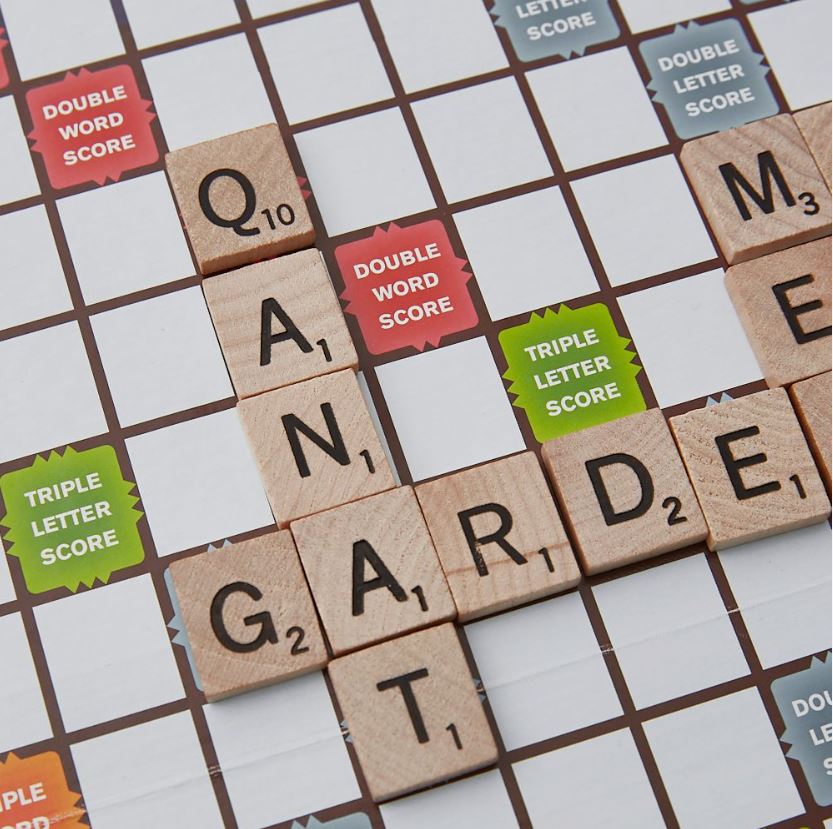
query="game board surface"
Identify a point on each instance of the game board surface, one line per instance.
(529, 153)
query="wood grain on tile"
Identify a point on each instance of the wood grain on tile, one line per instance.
(624, 491)
(783, 301)
(413, 712)
(498, 535)
(315, 445)
(759, 186)
(751, 468)
(373, 570)
(814, 124)
(249, 615)
(279, 322)
(239, 199)
(811, 399)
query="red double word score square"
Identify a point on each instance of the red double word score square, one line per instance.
(4, 70)
(91, 126)
(406, 287)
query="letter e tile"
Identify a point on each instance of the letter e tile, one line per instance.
(751, 468)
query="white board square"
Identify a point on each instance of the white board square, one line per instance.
(277, 747)
(23, 717)
(159, 780)
(544, 263)
(598, 782)
(161, 356)
(48, 376)
(435, 42)
(32, 280)
(17, 174)
(782, 587)
(324, 63)
(625, 207)
(643, 15)
(796, 41)
(159, 21)
(364, 171)
(689, 338)
(669, 629)
(722, 765)
(481, 139)
(127, 662)
(449, 408)
(49, 37)
(542, 670)
(207, 90)
(198, 482)
(596, 108)
(103, 227)
(480, 801)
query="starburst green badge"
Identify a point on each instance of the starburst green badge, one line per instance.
(71, 519)
(570, 369)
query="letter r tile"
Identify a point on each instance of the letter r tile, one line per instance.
(759, 186)
(751, 468)
(498, 535)
(413, 712)
(248, 615)
(624, 491)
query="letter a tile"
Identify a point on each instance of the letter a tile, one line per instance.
(315, 445)
(783, 301)
(249, 615)
(372, 569)
(760, 188)
(751, 468)
(279, 322)
(239, 199)
(413, 712)
(624, 491)
(498, 535)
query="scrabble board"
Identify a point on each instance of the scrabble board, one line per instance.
(491, 184)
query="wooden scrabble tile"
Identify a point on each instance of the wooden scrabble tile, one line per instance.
(624, 491)
(811, 399)
(759, 187)
(373, 570)
(315, 445)
(814, 124)
(498, 535)
(783, 301)
(413, 713)
(249, 615)
(751, 468)
(239, 199)
(279, 322)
